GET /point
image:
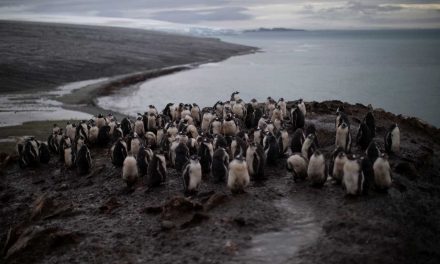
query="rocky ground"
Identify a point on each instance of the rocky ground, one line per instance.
(52, 215)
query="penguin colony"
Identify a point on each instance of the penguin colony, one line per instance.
(230, 143)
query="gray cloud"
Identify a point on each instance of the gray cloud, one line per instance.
(200, 15)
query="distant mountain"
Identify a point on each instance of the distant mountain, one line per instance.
(276, 29)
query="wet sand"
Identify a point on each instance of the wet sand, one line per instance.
(93, 218)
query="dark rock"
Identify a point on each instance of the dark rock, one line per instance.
(407, 169)
(197, 219)
(167, 225)
(177, 206)
(152, 210)
(108, 207)
(215, 200)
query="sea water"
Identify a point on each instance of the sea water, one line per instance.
(398, 71)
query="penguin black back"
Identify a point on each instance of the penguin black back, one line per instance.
(205, 157)
(297, 141)
(182, 156)
(44, 153)
(157, 172)
(220, 164)
(83, 160)
(103, 136)
(119, 152)
(364, 136)
(271, 149)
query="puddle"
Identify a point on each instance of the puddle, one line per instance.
(282, 246)
(15, 109)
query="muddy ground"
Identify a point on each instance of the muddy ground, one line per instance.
(52, 215)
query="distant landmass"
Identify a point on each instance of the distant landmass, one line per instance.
(276, 29)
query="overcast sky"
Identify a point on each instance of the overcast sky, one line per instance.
(234, 14)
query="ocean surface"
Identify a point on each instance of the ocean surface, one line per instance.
(398, 71)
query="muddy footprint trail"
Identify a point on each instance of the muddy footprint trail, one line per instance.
(52, 215)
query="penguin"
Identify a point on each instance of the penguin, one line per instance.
(238, 146)
(218, 108)
(69, 157)
(235, 96)
(341, 117)
(82, 130)
(308, 147)
(71, 130)
(192, 131)
(278, 124)
(337, 166)
(220, 163)
(258, 114)
(29, 154)
(119, 152)
(152, 110)
(135, 144)
(297, 117)
(126, 126)
(311, 129)
(254, 103)
(249, 120)
(372, 151)
(343, 137)
(139, 126)
(130, 171)
(283, 107)
(93, 134)
(364, 136)
(258, 136)
(56, 129)
(192, 146)
(370, 121)
(271, 149)
(302, 107)
(277, 114)
(103, 136)
(79, 142)
(317, 169)
(100, 121)
(297, 164)
(206, 152)
(172, 130)
(192, 175)
(220, 142)
(44, 153)
(283, 141)
(64, 143)
(52, 143)
(182, 156)
(239, 109)
(297, 141)
(145, 155)
(382, 173)
(195, 113)
(169, 111)
(206, 121)
(110, 118)
(117, 132)
(150, 139)
(262, 122)
(355, 179)
(238, 175)
(151, 123)
(159, 135)
(255, 160)
(270, 107)
(157, 171)
(229, 127)
(83, 160)
(392, 140)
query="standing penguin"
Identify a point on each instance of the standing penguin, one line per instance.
(356, 174)
(192, 175)
(297, 117)
(126, 126)
(182, 156)
(215, 128)
(103, 136)
(206, 152)
(157, 171)
(100, 121)
(283, 106)
(308, 147)
(341, 117)
(238, 146)
(271, 149)
(119, 152)
(297, 164)
(206, 121)
(69, 157)
(364, 136)
(302, 106)
(195, 113)
(317, 169)
(238, 177)
(255, 160)
(83, 160)
(139, 126)
(130, 171)
(382, 173)
(297, 141)
(44, 153)
(145, 155)
(370, 121)
(372, 151)
(93, 134)
(343, 137)
(29, 153)
(235, 96)
(229, 127)
(283, 141)
(337, 167)
(220, 164)
(392, 140)
(135, 144)
(71, 130)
